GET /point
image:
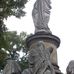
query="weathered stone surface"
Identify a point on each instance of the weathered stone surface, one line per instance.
(50, 41)
(53, 57)
(39, 59)
(12, 67)
(41, 14)
(70, 67)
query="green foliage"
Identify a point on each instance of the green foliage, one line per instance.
(2, 59)
(23, 63)
(9, 8)
(2, 30)
(15, 43)
(10, 42)
(12, 7)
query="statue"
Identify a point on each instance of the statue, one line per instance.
(12, 67)
(41, 14)
(70, 68)
(39, 60)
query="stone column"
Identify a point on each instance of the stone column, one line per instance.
(50, 41)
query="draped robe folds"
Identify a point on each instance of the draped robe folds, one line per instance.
(39, 60)
(41, 14)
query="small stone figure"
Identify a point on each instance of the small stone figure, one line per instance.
(70, 68)
(39, 60)
(12, 67)
(41, 14)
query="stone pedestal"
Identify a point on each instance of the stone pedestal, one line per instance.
(50, 41)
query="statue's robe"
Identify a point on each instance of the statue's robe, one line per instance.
(39, 60)
(41, 14)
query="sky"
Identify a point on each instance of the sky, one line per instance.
(61, 24)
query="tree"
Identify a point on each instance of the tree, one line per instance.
(2, 30)
(3, 55)
(9, 8)
(15, 43)
(12, 7)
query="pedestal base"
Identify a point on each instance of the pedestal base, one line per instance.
(47, 37)
(50, 41)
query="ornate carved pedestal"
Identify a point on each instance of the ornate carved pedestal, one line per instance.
(50, 41)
